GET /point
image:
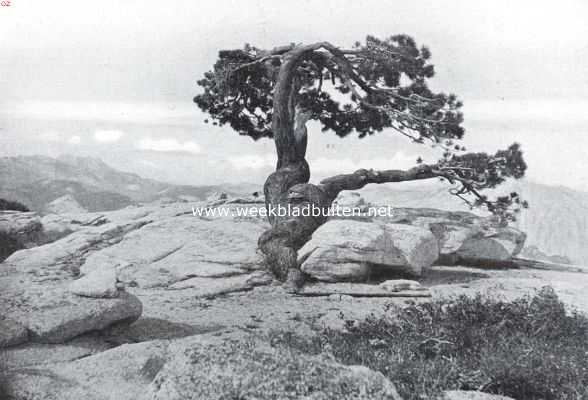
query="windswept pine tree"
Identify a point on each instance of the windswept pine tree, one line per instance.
(274, 93)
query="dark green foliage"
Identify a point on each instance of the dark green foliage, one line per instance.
(478, 171)
(528, 349)
(242, 99)
(12, 205)
(239, 91)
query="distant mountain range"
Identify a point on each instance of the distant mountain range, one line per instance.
(556, 222)
(48, 184)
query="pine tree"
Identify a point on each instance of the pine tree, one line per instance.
(274, 93)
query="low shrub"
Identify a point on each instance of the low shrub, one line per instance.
(529, 348)
(12, 205)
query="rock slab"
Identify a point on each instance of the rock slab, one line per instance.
(66, 321)
(462, 236)
(344, 250)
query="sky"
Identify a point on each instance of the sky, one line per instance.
(115, 79)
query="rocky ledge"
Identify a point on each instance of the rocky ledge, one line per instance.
(140, 302)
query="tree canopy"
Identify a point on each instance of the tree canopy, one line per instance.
(384, 83)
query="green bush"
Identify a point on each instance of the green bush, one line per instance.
(526, 349)
(12, 205)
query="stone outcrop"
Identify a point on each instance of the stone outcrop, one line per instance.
(51, 314)
(183, 276)
(347, 250)
(36, 286)
(85, 280)
(463, 237)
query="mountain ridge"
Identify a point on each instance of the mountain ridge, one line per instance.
(38, 180)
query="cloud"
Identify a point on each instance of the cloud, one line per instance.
(252, 161)
(346, 165)
(74, 140)
(323, 165)
(169, 145)
(51, 136)
(56, 137)
(108, 136)
(111, 111)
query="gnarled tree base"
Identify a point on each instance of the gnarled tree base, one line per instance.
(286, 188)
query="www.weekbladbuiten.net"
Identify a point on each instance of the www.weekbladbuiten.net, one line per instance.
(307, 210)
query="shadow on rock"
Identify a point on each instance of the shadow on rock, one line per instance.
(146, 329)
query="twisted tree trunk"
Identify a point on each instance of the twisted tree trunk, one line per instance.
(288, 186)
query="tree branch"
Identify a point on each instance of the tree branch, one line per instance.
(357, 180)
(362, 177)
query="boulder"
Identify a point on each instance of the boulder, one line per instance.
(492, 247)
(462, 237)
(56, 316)
(347, 250)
